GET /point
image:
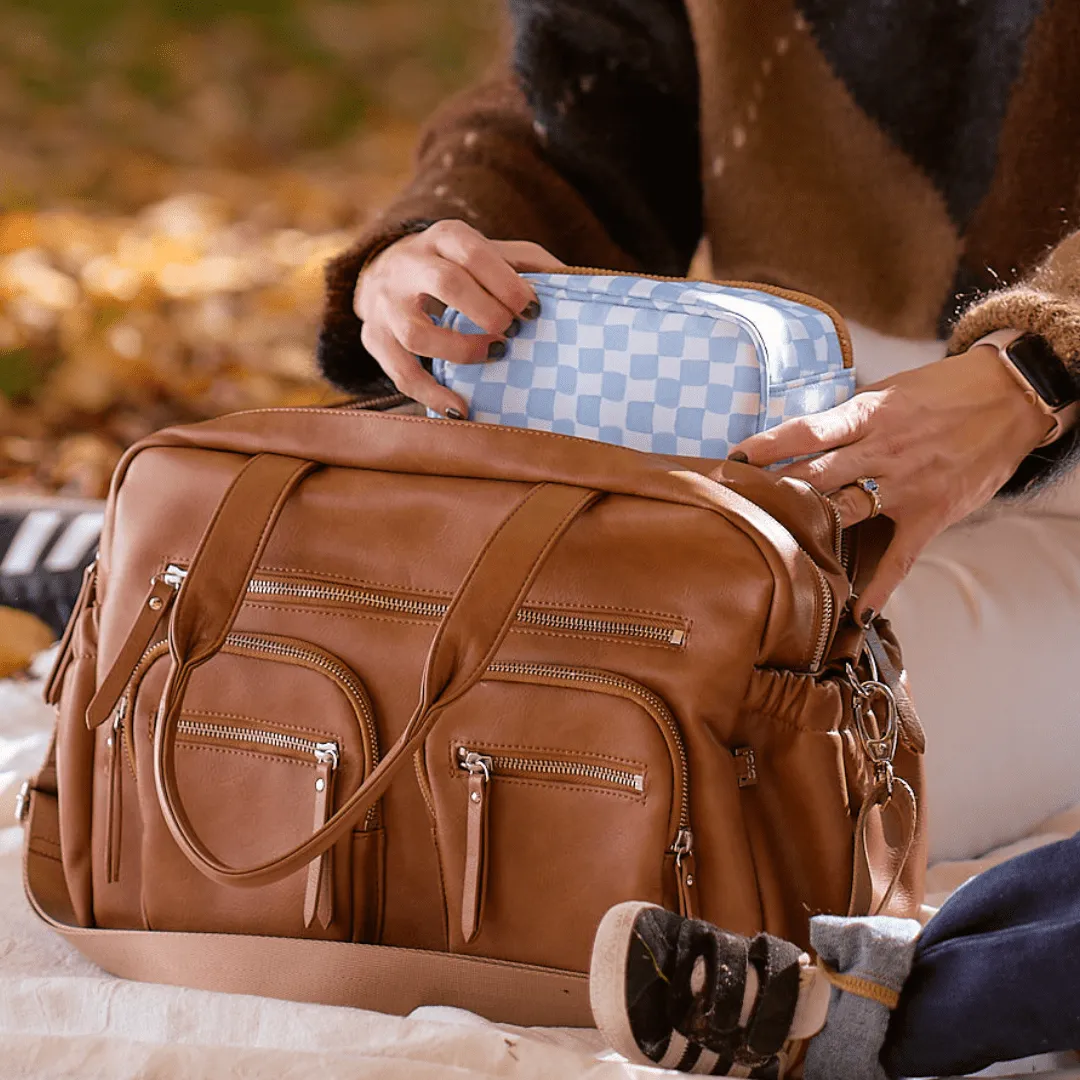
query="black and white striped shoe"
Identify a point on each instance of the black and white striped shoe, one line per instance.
(45, 544)
(684, 994)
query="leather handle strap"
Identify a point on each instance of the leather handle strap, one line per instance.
(228, 553)
(478, 619)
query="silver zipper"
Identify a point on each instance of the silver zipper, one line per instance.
(654, 705)
(435, 609)
(323, 753)
(174, 575)
(497, 763)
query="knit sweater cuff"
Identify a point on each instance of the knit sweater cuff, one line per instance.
(1024, 308)
(1058, 320)
(342, 356)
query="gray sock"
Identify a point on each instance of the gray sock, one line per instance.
(877, 951)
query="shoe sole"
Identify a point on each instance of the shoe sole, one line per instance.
(607, 979)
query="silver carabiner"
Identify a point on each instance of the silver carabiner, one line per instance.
(879, 749)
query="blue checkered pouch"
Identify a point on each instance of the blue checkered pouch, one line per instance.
(672, 367)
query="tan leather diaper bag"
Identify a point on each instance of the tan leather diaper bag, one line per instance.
(378, 710)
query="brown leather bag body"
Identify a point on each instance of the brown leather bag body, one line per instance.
(379, 710)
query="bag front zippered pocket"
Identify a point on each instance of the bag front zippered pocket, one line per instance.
(628, 627)
(275, 734)
(544, 821)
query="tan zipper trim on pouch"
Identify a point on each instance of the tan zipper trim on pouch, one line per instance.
(775, 290)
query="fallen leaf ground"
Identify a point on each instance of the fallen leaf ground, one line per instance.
(174, 175)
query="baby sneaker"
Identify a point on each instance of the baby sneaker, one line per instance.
(684, 994)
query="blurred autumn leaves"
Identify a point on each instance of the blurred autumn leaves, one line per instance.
(173, 176)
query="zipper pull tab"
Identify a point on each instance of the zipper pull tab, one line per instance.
(63, 656)
(319, 896)
(476, 829)
(114, 801)
(155, 606)
(685, 875)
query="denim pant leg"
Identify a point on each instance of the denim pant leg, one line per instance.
(996, 974)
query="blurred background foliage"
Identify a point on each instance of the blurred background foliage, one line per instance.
(173, 176)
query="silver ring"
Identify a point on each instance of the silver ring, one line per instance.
(870, 486)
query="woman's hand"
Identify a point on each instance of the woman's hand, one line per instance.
(449, 264)
(940, 441)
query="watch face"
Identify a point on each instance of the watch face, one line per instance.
(1042, 367)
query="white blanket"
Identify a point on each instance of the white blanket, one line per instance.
(60, 1016)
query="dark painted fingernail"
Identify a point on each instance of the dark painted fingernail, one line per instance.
(867, 618)
(454, 414)
(496, 350)
(531, 310)
(739, 456)
(513, 329)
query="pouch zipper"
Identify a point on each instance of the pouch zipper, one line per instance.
(436, 609)
(482, 767)
(774, 290)
(319, 891)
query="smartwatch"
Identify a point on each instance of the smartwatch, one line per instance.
(1046, 381)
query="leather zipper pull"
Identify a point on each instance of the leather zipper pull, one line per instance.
(114, 804)
(685, 874)
(476, 842)
(155, 606)
(55, 680)
(319, 895)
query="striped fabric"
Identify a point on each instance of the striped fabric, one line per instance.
(44, 547)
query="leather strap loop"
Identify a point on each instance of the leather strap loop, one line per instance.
(477, 621)
(886, 822)
(228, 552)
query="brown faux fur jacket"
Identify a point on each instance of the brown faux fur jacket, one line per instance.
(917, 165)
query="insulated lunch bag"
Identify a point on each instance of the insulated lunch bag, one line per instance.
(382, 710)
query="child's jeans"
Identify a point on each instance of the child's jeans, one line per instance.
(994, 976)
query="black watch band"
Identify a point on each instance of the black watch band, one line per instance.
(1044, 370)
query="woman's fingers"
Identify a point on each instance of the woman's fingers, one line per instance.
(853, 504)
(810, 434)
(449, 264)
(830, 471)
(406, 373)
(454, 286)
(907, 544)
(418, 335)
(526, 256)
(488, 271)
